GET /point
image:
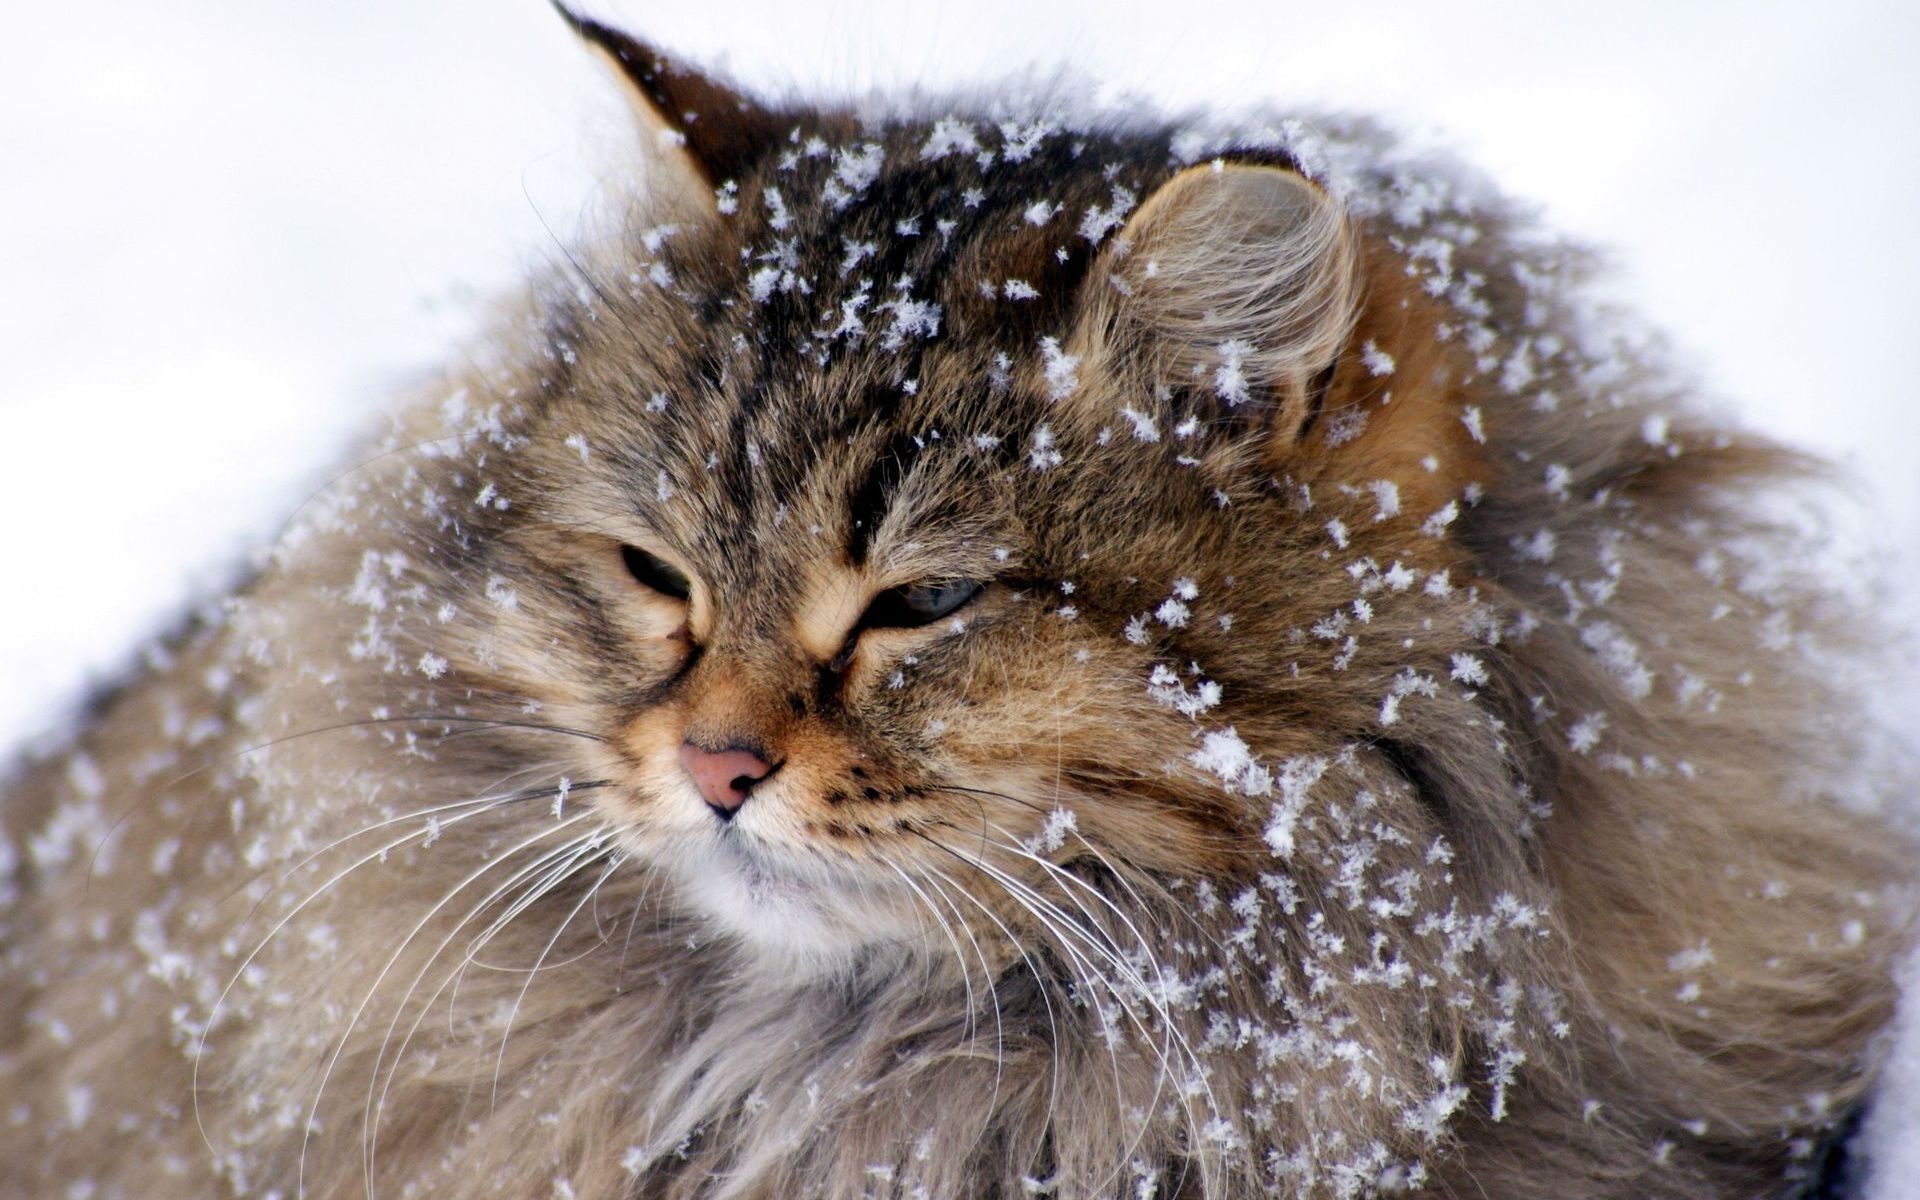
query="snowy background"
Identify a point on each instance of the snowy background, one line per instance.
(231, 230)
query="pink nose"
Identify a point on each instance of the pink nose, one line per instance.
(724, 777)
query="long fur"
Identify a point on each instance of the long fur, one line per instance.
(1398, 751)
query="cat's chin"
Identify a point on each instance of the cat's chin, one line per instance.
(794, 916)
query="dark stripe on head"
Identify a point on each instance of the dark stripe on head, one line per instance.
(868, 505)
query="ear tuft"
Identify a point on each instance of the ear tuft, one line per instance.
(699, 126)
(1238, 280)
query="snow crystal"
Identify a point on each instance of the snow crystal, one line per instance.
(1295, 780)
(1063, 369)
(911, 318)
(1165, 686)
(501, 593)
(83, 774)
(1693, 958)
(761, 283)
(1386, 498)
(79, 1105)
(1099, 221)
(854, 171)
(1408, 682)
(1469, 670)
(1436, 524)
(1399, 577)
(1377, 361)
(1222, 753)
(1040, 212)
(777, 215)
(854, 253)
(950, 135)
(1585, 734)
(1022, 140)
(1538, 546)
(1345, 426)
(1143, 426)
(1041, 453)
(1053, 835)
(1229, 379)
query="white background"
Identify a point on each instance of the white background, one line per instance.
(229, 230)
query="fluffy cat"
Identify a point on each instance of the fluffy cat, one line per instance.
(983, 655)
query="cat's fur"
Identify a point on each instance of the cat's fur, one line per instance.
(1394, 753)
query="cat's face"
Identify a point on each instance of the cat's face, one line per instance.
(890, 509)
(915, 639)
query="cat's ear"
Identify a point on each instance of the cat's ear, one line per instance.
(700, 133)
(1235, 284)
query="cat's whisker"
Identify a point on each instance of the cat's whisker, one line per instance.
(1163, 900)
(1065, 937)
(132, 807)
(1173, 1033)
(374, 987)
(484, 804)
(946, 929)
(520, 875)
(1067, 933)
(507, 1033)
(556, 873)
(940, 923)
(482, 723)
(993, 992)
(1041, 983)
(429, 814)
(626, 948)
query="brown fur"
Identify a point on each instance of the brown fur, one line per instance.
(1508, 859)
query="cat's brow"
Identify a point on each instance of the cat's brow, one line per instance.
(868, 503)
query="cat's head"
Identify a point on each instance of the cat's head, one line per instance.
(918, 509)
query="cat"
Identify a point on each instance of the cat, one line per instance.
(977, 655)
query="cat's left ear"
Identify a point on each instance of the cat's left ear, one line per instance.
(1234, 284)
(700, 133)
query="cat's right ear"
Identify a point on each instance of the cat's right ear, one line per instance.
(699, 133)
(1234, 284)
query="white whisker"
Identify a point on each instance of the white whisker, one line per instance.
(313, 1110)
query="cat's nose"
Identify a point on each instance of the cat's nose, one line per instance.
(724, 777)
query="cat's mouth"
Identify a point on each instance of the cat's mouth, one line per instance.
(780, 904)
(761, 873)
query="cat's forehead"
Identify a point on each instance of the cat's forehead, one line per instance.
(886, 324)
(867, 296)
(887, 261)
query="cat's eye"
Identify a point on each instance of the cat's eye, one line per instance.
(917, 604)
(654, 573)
